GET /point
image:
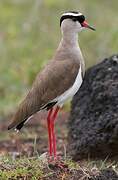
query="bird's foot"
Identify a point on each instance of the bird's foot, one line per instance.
(57, 158)
(50, 159)
(57, 163)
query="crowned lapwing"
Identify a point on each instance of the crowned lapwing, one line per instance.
(58, 81)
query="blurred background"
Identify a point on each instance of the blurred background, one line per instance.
(30, 33)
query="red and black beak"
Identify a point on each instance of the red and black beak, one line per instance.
(86, 25)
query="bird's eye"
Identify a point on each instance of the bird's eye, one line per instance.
(81, 18)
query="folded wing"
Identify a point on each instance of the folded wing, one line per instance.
(52, 81)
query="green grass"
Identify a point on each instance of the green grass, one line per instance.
(37, 168)
(30, 32)
(23, 168)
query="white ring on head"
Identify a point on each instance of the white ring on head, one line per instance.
(72, 14)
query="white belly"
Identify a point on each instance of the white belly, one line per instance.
(71, 91)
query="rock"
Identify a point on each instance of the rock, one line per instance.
(106, 174)
(93, 122)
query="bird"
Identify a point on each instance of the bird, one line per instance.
(58, 81)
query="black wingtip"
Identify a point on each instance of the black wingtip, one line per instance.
(9, 127)
(20, 125)
(17, 127)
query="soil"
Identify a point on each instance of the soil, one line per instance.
(33, 137)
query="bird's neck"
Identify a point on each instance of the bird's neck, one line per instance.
(69, 40)
(69, 47)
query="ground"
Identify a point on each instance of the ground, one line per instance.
(32, 139)
(23, 154)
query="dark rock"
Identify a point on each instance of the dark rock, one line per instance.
(93, 124)
(106, 174)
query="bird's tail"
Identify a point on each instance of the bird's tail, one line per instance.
(18, 119)
(18, 126)
(26, 109)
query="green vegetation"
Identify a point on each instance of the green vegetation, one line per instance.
(37, 168)
(29, 34)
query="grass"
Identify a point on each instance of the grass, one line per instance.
(29, 34)
(37, 168)
(22, 168)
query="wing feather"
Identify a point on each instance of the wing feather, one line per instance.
(52, 81)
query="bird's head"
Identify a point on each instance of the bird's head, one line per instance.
(74, 21)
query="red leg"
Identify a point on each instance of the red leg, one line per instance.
(53, 131)
(49, 131)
